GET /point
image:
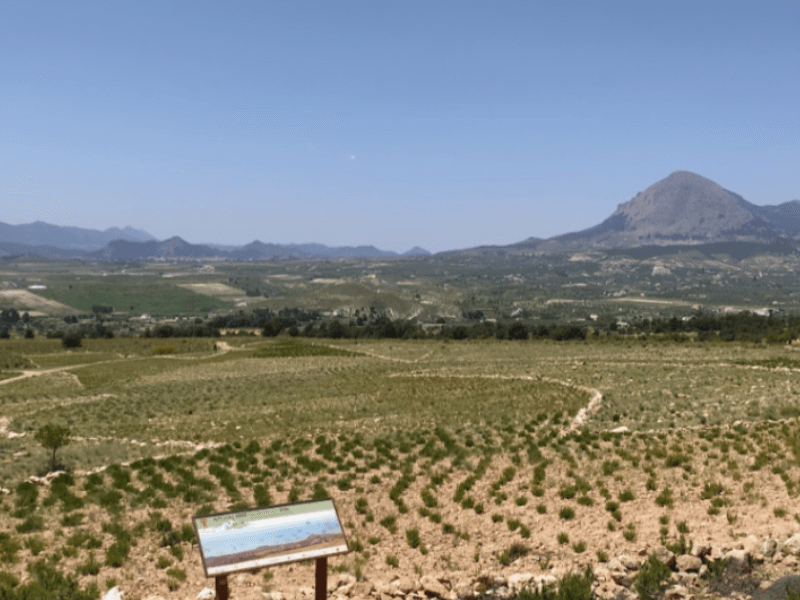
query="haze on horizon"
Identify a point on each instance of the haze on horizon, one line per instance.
(442, 125)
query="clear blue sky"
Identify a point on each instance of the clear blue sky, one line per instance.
(394, 123)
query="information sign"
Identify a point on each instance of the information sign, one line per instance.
(262, 537)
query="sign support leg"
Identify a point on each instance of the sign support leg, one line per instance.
(221, 583)
(321, 582)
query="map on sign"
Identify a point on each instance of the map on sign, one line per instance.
(262, 537)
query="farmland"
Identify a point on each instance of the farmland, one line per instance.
(441, 456)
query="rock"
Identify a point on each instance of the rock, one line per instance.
(622, 429)
(677, 591)
(631, 564)
(404, 584)
(621, 578)
(738, 560)
(751, 543)
(381, 587)
(768, 547)
(113, 594)
(432, 586)
(702, 572)
(543, 580)
(793, 543)
(687, 562)
(664, 555)
(305, 591)
(362, 588)
(615, 565)
(276, 596)
(700, 549)
(209, 594)
(344, 579)
(519, 580)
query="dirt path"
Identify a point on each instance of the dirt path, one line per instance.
(578, 420)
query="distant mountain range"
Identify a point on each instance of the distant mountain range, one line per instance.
(68, 238)
(115, 244)
(681, 211)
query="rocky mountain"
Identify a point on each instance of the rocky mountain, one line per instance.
(68, 238)
(682, 208)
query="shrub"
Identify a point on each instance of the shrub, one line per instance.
(512, 553)
(567, 513)
(664, 499)
(630, 532)
(576, 586)
(8, 548)
(117, 553)
(389, 522)
(392, 561)
(72, 340)
(579, 547)
(652, 579)
(162, 349)
(31, 524)
(563, 538)
(412, 536)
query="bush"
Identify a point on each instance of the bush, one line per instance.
(567, 513)
(392, 561)
(46, 583)
(576, 586)
(162, 349)
(412, 536)
(512, 553)
(72, 340)
(117, 553)
(652, 579)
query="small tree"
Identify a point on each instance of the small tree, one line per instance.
(53, 437)
(72, 340)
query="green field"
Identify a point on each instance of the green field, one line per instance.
(151, 297)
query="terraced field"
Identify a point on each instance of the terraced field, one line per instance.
(441, 456)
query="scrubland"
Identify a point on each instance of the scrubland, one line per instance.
(440, 456)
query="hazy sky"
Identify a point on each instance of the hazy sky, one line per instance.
(394, 123)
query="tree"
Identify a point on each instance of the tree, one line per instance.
(517, 331)
(72, 340)
(29, 335)
(53, 437)
(26, 318)
(336, 330)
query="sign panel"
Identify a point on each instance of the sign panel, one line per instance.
(261, 537)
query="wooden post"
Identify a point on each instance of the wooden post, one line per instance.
(222, 587)
(321, 583)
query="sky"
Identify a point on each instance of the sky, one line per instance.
(436, 123)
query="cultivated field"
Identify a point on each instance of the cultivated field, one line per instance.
(442, 457)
